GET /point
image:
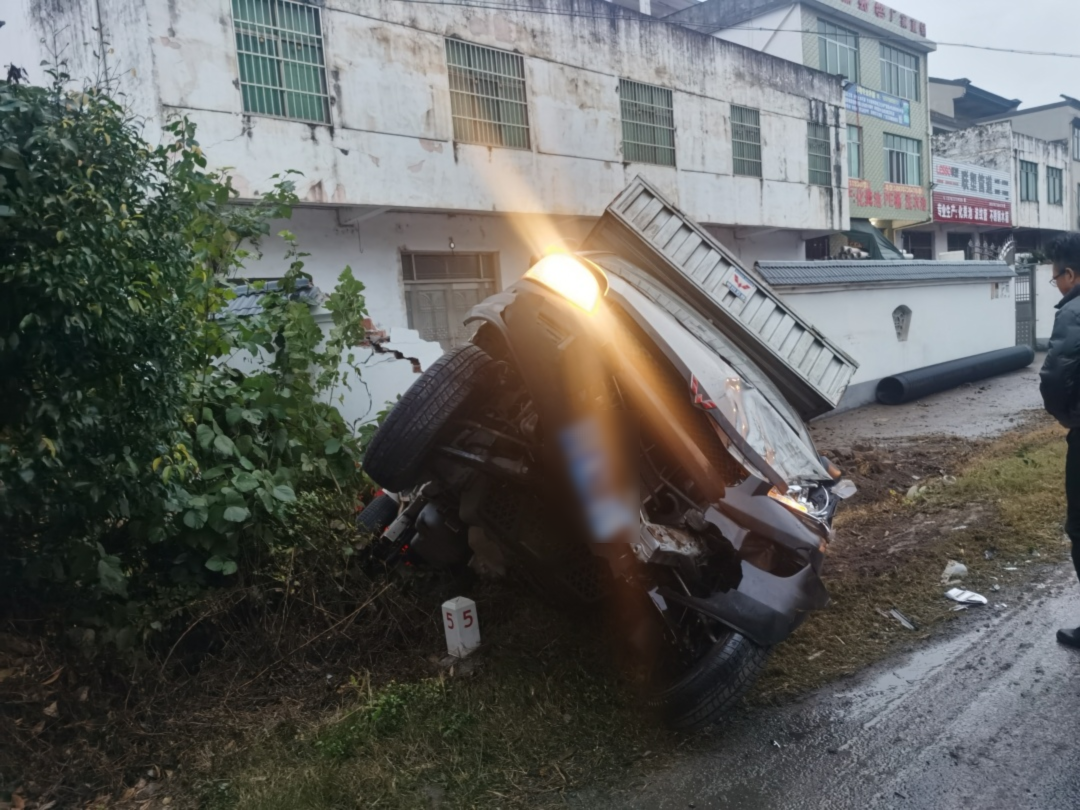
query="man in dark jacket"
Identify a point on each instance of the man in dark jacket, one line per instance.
(1060, 385)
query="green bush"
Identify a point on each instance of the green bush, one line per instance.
(139, 464)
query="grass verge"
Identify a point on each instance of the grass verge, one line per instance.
(1005, 510)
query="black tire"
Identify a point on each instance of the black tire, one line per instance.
(713, 685)
(377, 515)
(398, 453)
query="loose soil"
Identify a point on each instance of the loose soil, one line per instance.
(336, 709)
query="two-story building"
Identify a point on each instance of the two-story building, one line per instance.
(993, 182)
(442, 146)
(881, 55)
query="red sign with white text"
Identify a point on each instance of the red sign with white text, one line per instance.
(971, 195)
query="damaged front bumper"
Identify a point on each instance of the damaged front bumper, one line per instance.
(780, 559)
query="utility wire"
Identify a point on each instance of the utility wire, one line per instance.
(700, 27)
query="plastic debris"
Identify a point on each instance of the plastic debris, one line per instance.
(995, 588)
(953, 570)
(900, 617)
(904, 620)
(966, 597)
(960, 607)
(1011, 568)
(989, 554)
(775, 743)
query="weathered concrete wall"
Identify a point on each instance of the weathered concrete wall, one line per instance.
(948, 321)
(998, 146)
(391, 142)
(1041, 214)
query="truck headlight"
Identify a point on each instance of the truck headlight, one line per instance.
(569, 278)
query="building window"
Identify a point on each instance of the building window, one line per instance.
(279, 45)
(1029, 181)
(899, 73)
(818, 249)
(901, 319)
(904, 159)
(854, 151)
(920, 244)
(487, 95)
(817, 145)
(1055, 186)
(441, 288)
(746, 141)
(648, 123)
(1076, 143)
(839, 50)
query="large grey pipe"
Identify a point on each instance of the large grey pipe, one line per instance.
(921, 382)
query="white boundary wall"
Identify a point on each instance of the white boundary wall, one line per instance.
(949, 320)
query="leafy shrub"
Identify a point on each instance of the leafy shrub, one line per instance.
(151, 445)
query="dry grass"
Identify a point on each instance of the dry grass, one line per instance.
(1008, 500)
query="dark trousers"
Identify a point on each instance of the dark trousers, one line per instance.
(1072, 495)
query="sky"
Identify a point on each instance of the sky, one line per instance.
(1039, 25)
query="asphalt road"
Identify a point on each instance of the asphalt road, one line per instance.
(983, 720)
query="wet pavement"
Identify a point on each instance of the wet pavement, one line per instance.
(982, 720)
(980, 409)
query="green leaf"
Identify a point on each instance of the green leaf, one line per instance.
(204, 434)
(110, 577)
(332, 446)
(284, 493)
(229, 568)
(194, 518)
(215, 563)
(245, 482)
(224, 445)
(237, 514)
(212, 473)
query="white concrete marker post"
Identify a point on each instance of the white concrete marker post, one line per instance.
(462, 626)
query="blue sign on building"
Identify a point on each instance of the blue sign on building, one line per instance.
(864, 101)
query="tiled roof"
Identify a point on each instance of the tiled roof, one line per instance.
(249, 297)
(805, 274)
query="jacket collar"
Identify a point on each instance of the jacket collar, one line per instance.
(1069, 296)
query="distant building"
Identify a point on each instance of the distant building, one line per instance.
(881, 53)
(958, 104)
(993, 180)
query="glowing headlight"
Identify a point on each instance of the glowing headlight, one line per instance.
(790, 503)
(569, 278)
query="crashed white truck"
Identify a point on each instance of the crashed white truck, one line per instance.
(628, 425)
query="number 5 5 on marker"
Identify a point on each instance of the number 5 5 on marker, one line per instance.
(462, 626)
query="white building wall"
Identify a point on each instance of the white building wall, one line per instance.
(1046, 301)
(391, 142)
(948, 321)
(777, 33)
(1041, 214)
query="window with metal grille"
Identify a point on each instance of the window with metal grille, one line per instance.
(441, 288)
(1029, 181)
(839, 50)
(487, 95)
(817, 145)
(648, 123)
(1076, 143)
(854, 152)
(1055, 186)
(279, 45)
(904, 159)
(746, 140)
(899, 73)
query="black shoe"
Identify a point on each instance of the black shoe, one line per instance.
(1070, 638)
